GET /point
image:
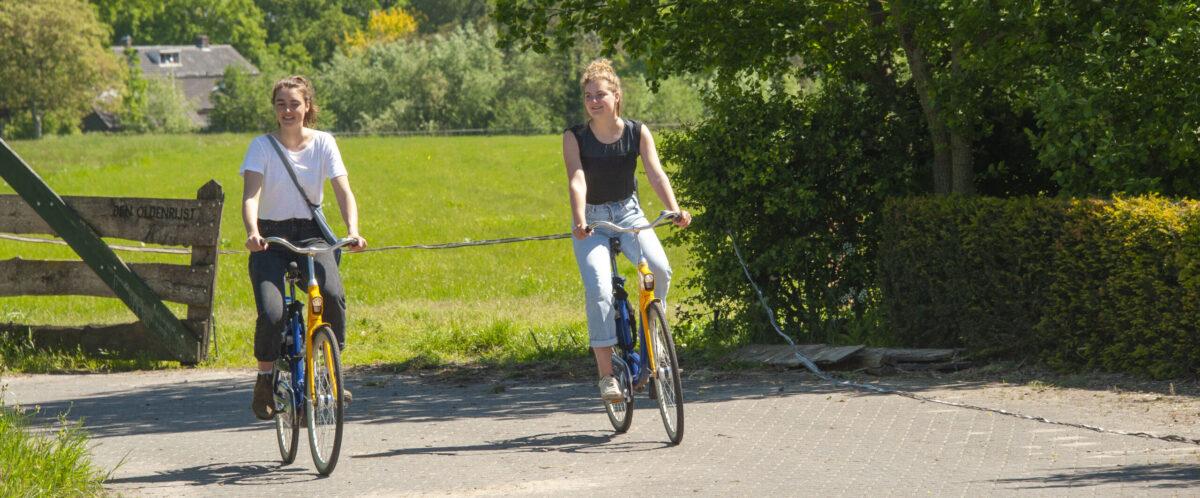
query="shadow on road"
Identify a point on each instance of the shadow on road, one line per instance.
(226, 474)
(1161, 476)
(565, 442)
(223, 404)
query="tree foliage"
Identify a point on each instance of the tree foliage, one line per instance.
(241, 102)
(383, 26)
(54, 59)
(178, 22)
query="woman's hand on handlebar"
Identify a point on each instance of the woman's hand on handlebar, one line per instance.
(683, 219)
(581, 231)
(359, 243)
(256, 243)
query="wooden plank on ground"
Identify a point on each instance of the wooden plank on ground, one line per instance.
(181, 222)
(183, 284)
(66, 222)
(784, 355)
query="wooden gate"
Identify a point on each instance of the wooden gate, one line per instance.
(81, 222)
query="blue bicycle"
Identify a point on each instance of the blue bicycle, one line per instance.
(308, 373)
(634, 364)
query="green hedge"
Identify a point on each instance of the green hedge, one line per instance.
(1109, 285)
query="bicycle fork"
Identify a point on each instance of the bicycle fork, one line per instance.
(316, 306)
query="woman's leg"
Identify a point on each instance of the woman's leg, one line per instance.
(591, 254)
(266, 277)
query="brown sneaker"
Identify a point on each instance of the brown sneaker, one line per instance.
(346, 396)
(263, 404)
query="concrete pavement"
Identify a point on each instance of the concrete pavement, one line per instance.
(191, 433)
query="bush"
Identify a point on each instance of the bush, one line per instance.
(968, 272)
(1080, 284)
(791, 177)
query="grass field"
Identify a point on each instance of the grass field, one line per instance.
(511, 302)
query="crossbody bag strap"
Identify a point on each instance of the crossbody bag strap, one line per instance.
(287, 165)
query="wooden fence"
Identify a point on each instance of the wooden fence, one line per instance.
(81, 221)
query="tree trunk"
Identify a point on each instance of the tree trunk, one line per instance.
(962, 158)
(938, 134)
(37, 120)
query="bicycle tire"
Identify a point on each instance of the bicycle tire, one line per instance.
(668, 384)
(287, 419)
(620, 413)
(325, 409)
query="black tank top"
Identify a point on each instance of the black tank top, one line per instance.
(609, 168)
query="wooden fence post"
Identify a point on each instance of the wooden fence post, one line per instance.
(205, 255)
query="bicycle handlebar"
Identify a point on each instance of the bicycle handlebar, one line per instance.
(663, 217)
(311, 249)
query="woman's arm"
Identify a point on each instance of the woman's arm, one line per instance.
(658, 178)
(577, 185)
(349, 208)
(251, 190)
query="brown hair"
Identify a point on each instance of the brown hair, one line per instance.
(601, 70)
(305, 86)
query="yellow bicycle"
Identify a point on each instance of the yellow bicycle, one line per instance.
(308, 382)
(634, 366)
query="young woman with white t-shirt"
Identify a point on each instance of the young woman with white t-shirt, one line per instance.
(273, 207)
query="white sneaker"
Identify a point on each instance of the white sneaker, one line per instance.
(609, 390)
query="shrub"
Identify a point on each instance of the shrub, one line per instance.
(791, 177)
(1112, 285)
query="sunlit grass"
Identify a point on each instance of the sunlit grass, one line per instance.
(44, 461)
(501, 303)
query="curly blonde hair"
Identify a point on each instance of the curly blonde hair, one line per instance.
(601, 70)
(305, 86)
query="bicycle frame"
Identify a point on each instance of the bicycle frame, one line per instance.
(316, 307)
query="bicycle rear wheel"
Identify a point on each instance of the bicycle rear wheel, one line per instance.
(325, 409)
(287, 419)
(620, 413)
(668, 385)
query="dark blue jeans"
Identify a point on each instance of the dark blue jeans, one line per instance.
(267, 269)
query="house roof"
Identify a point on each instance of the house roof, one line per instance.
(192, 61)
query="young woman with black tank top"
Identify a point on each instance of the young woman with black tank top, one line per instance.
(601, 159)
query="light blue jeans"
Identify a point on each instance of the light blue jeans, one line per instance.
(591, 254)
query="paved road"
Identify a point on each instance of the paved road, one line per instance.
(190, 432)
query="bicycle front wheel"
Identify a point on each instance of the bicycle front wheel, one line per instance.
(620, 413)
(325, 409)
(666, 375)
(287, 418)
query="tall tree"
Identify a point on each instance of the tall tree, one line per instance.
(54, 58)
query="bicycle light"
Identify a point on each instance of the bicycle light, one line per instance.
(648, 281)
(316, 304)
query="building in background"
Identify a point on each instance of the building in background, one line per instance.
(196, 69)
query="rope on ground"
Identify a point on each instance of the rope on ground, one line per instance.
(812, 367)
(171, 250)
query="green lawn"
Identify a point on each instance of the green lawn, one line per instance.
(509, 302)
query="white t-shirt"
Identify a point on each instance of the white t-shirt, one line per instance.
(280, 200)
